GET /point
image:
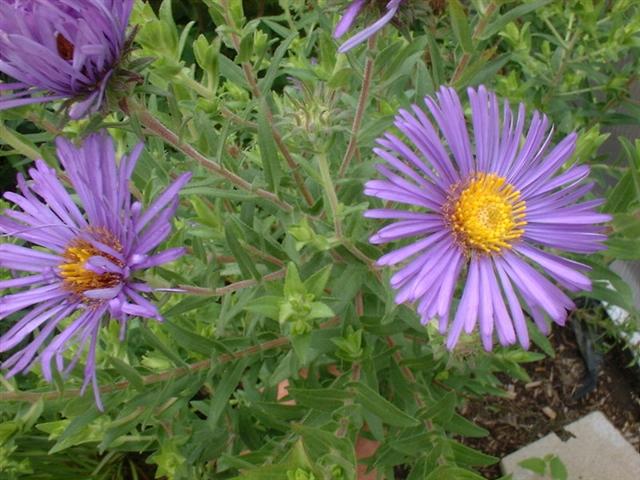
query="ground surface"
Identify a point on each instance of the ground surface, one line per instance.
(547, 403)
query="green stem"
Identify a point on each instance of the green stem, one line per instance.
(360, 108)
(329, 188)
(334, 206)
(33, 397)
(480, 27)
(251, 78)
(197, 87)
(411, 378)
(10, 138)
(156, 127)
(148, 379)
(233, 287)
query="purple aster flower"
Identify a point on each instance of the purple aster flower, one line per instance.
(485, 207)
(350, 14)
(58, 49)
(84, 253)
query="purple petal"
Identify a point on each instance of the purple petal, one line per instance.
(371, 30)
(348, 18)
(168, 196)
(467, 313)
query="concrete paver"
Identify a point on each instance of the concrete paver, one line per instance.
(596, 451)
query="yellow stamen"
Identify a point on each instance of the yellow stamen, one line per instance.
(486, 215)
(76, 277)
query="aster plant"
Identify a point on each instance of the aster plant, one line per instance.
(484, 207)
(61, 50)
(81, 254)
(352, 12)
(282, 350)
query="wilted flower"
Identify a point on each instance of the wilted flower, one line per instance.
(350, 14)
(485, 206)
(84, 252)
(59, 49)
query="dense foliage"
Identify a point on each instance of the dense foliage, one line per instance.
(285, 356)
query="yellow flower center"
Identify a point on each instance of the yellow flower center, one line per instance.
(486, 215)
(77, 278)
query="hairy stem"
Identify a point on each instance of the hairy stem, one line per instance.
(148, 379)
(360, 108)
(330, 190)
(8, 137)
(250, 76)
(411, 378)
(156, 127)
(233, 287)
(334, 206)
(157, 377)
(482, 24)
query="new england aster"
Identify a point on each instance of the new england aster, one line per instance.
(59, 49)
(352, 12)
(81, 256)
(484, 207)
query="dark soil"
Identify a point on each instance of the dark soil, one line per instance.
(548, 403)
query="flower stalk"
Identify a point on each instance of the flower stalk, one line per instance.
(153, 125)
(250, 76)
(360, 108)
(480, 27)
(10, 138)
(233, 287)
(32, 397)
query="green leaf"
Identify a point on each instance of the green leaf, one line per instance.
(272, 72)
(447, 472)
(318, 440)
(280, 411)
(623, 248)
(513, 14)
(71, 435)
(469, 456)
(460, 25)
(301, 344)
(265, 472)
(190, 341)
(483, 69)
(326, 399)
(464, 427)
(224, 389)
(292, 283)
(184, 36)
(558, 470)
(536, 465)
(540, 340)
(441, 411)
(187, 305)
(414, 444)
(268, 149)
(315, 283)
(320, 310)
(128, 372)
(633, 156)
(232, 72)
(207, 56)
(269, 306)
(437, 63)
(621, 195)
(382, 408)
(232, 233)
(246, 47)
(30, 417)
(159, 345)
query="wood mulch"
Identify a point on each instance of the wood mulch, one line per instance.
(548, 403)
